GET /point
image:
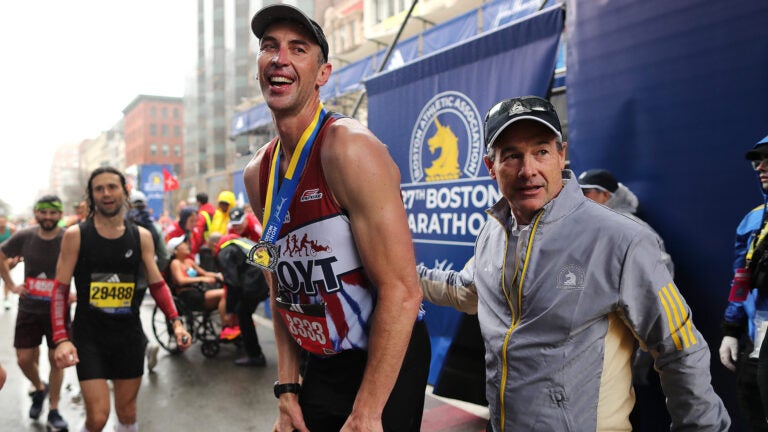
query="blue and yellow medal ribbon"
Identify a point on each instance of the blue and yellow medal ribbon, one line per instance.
(274, 217)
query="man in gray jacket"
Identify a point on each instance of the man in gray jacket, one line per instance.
(564, 289)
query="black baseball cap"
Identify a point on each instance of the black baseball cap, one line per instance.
(236, 216)
(759, 151)
(598, 179)
(283, 12)
(508, 111)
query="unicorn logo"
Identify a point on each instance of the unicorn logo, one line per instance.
(571, 277)
(446, 166)
(455, 143)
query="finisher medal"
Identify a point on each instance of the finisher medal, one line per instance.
(264, 255)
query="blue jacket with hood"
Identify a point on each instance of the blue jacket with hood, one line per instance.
(742, 316)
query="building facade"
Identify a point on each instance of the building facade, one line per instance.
(154, 131)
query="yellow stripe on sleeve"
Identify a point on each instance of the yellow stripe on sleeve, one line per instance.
(679, 323)
(675, 339)
(686, 319)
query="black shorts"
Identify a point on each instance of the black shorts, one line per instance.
(330, 386)
(30, 329)
(109, 351)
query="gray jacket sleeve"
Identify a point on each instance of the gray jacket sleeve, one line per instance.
(661, 319)
(449, 287)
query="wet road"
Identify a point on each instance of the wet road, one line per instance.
(190, 392)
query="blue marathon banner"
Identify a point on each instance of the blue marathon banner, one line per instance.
(152, 183)
(430, 114)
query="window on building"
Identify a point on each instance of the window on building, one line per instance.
(351, 31)
(165, 112)
(165, 130)
(153, 129)
(341, 38)
(153, 149)
(166, 150)
(175, 113)
(177, 131)
(381, 10)
(388, 8)
(177, 151)
(152, 111)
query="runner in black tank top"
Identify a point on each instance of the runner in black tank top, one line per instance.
(104, 254)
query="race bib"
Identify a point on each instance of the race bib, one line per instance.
(112, 293)
(39, 289)
(308, 326)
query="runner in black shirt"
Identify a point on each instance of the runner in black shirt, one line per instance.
(104, 254)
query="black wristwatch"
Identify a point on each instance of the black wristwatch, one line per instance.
(286, 388)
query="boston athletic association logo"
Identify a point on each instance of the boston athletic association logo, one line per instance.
(446, 142)
(570, 277)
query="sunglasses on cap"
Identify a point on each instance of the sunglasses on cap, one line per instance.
(520, 106)
(508, 111)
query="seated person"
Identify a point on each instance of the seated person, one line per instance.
(197, 288)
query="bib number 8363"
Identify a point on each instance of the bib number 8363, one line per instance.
(304, 328)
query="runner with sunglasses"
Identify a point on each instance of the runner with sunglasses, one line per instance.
(38, 246)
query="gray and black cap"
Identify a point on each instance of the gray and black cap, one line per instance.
(509, 111)
(282, 12)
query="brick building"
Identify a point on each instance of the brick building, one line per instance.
(154, 131)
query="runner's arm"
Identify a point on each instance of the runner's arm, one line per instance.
(9, 257)
(66, 353)
(5, 271)
(366, 182)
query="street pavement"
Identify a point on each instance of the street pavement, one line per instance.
(191, 392)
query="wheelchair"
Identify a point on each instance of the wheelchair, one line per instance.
(203, 325)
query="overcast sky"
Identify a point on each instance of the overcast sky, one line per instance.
(70, 67)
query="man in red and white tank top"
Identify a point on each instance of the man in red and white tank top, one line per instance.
(337, 246)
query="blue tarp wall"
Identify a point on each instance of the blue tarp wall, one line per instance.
(669, 95)
(433, 108)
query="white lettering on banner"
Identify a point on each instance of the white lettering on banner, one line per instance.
(425, 207)
(468, 197)
(446, 224)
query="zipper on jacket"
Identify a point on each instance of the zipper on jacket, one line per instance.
(515, 314)
(558, 397)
